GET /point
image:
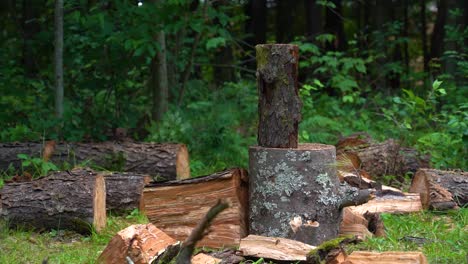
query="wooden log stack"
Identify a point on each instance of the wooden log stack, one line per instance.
(163, 161)
(176, 206)
(63, 200)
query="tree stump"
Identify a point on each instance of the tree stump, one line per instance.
(295, 193)
(61, 201)
(279, 105)
(441, 190)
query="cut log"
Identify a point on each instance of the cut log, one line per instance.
(391, 257)
(279, 105)
(274, 248)
(140, 243)
(441, 190)
(379, 159)
(177, 206)
(296, 194)
(360, 182)
(167, 161)
(60, 201)
(408, 203)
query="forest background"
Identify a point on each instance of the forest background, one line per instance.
(184, 71)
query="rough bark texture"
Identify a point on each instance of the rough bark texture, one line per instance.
(441, 190)
(394, 257)
(274, 248)
(177, 206)
(296, 193)
(379, 159)
(279, 105)
(140, 243)
(60, 201)
(123, 190)
(169, 161)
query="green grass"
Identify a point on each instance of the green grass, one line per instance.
(22, 246)
(445, 235)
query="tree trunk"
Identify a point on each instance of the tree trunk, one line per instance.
(177, 206)
(441, 190)
(313, 16)
(164, 161)
(424, 36)
(279, 105)
(58, 58)
(438, 34)
(295, 193)
(285, 20)
(30, 19)
(61, 201)
(334, 24)
(159, 82)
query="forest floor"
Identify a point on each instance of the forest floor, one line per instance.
(441, 236)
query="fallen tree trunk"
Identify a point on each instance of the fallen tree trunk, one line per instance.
(140, 243)
(60, 201)
(296, 194)
(441, 190)
(274, 248)
(379, 159)
(177, 206)
(164, 161)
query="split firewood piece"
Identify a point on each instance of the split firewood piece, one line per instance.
(409, 202)
(376, 225)
(139, 243)
(441, 190)
(177, 206)
(379, 159)
(391, 257)
(357, 180)
(354, 224)
(202, 258)
(63, 200)
(168, 161)
(274, 248)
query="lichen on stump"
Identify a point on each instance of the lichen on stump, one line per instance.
(279, 105)
(296, 194)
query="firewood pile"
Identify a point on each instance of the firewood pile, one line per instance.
(299, 203)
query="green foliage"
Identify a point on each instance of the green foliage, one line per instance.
(36, 166)
(442, 237)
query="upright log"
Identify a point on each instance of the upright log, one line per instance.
(166, 161)
(295, 193)
(60, 201)
(279, 105)
(441, 190)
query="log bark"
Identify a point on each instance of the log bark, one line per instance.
(177, 206)
(123, 190)
(274, 248)
(356, 180)
(394, 257)
(379, 159)
(441, 190)
(296, 194)
(140, 243)
(167, 161)
(408, 203)
(279, 105)
(60, 201)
